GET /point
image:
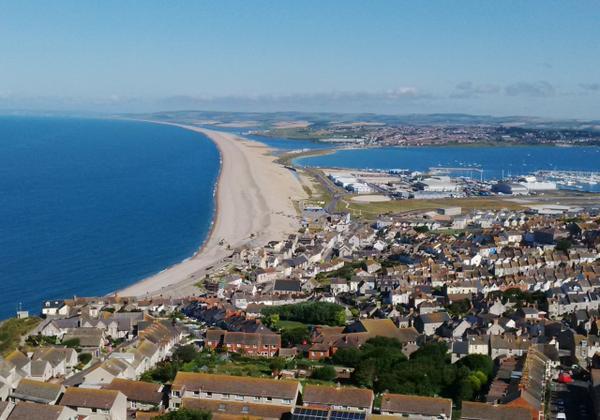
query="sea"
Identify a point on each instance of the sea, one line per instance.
(494, 162)
(88, 206)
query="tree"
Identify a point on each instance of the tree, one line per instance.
(73, 343)
(294, 336)
(84, 358)
(478, 362)
(277, 364)
(325, 373)
(459, 308)
(185, 354)
(350, 357)
(186, 414)
(563, 245)
(364, 374)
(464, 391)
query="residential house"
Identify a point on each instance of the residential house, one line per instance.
(55, 308)
(142, 396)
(235, 409)
(416, 407)
(233, 388)
(338, 398)
(61, 359)
(36, 391)
(252, 344)
(482, 411)
(35, 411)
(90, 401)
(429, 323)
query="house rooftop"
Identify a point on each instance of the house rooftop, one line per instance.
(237, 409)
(31, 411)
(89, 398)
(239, 385)
(145, 392)
(482, 411)
(412, 404)
(337, 396)
(37, 391)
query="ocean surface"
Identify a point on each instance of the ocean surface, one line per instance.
(88, 206)
(495, 162)
(278, 144)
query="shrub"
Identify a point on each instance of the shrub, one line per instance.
(325, 373)
(84, 358)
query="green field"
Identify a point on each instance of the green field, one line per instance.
(373, 210)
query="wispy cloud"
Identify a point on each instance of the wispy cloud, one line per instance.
(466, 90)
(328, 100)
(590, 87)
(539, 89)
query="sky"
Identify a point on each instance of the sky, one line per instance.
(535, 58)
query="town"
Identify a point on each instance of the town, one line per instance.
(452, 313)
(393, 132)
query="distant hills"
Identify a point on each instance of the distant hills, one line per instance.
(260, 120)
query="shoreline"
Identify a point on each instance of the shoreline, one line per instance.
(241, 216)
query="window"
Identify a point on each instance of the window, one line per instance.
(226, 396)
(221, 407)
(239, 397)
(256, 398)
(209, 395)
(245, 410)
(287, 401)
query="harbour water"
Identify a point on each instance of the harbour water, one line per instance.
(88, 206)
(496, 162)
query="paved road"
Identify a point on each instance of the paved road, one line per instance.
(331, 189)
(572, 399)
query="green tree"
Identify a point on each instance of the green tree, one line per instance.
(350, 357)
(479, 362)
(185, 354)
(464, 391)
(84, 358)
(325, 373)
(364, 374)
(563, 245)
(294, 336)
(277, 364)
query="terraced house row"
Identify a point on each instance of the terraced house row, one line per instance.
(245, 397)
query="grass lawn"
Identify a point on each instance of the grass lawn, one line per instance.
(12, 330)
(373, 210)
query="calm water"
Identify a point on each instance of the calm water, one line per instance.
(89, 206)
(279, 144)
(495, 161)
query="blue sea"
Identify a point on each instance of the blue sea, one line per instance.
(278, 144)
(88, 206)
(495, 162)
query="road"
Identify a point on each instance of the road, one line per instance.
(572, 399)
(331, 189)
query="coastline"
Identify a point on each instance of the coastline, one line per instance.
(253, 205)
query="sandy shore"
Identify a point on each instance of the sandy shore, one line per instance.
(254, 206)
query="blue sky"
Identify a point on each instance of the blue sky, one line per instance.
(538, 58)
